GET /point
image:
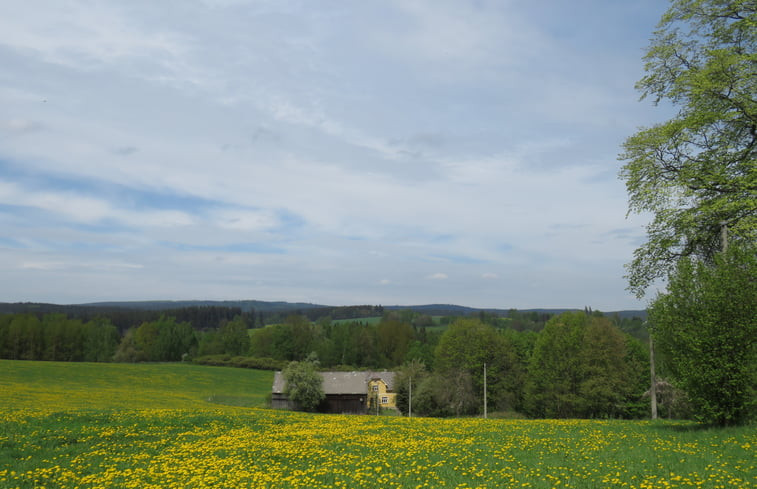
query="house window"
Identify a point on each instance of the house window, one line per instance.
(384, 400)
(375, 387)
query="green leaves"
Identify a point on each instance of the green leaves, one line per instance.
(706, 326)
(466, 346)
(582, 366)
(699, 169)
(304, 386)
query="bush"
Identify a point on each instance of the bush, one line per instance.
(706, 329)
(240, 362)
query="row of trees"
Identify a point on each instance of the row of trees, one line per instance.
(59, 338)
(201, 317)
(56, 337)
(580, 365)
(398, 336)
(351, 344)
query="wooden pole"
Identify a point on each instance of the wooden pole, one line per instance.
(410, 400)
(653, 388)
(485, 391)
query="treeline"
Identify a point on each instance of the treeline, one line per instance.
(57, 337)
(579, 365)
(200, 317)
(345, 344)
(191, 332)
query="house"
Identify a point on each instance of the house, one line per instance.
(346, 392)
(381, 387)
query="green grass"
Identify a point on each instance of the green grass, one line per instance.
(57, 385)
(175, 425)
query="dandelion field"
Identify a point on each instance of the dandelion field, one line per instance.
(143, 426)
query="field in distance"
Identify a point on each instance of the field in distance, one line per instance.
(70, 386)
(173, 425)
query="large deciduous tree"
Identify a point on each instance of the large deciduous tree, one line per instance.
(466, 346)
(696, 173)
(583, 366)
(706, 328)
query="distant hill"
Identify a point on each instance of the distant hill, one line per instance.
(455, 310)
(244, 305)
(277, 307)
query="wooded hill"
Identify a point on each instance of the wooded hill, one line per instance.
(277, 309)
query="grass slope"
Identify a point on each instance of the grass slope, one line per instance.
(65, 386)
(150, 426)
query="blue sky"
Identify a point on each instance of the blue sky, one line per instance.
(392, 152)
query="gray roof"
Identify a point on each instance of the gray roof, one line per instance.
(341, 382)
(387, 377)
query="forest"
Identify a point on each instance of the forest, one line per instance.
(575, 364)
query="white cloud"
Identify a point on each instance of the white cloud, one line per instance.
(245, 220)
(86, 209)
(82, 36)
(308, 147)
(21, 125)
(471, 37)
(42, 265)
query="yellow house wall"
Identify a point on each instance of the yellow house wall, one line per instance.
(391, 396)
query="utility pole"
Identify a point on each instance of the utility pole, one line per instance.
(410, 399)
(485, 390)
(653, 388)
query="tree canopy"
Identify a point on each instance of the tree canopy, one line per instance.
(304, 385)
(706, 329)
(697, 172)
(583, 366)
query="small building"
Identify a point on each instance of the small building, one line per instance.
(346, 392)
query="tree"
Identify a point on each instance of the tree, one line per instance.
(128, 349)
(164, 340)
(467, 345)
(101, 340)
(304, 385)
(696, 173)
(583, 366)
(706, 328)
(412, 372)
(552, 389)
(605, 371)
(392, 341)
(233, 337)
(293, 339)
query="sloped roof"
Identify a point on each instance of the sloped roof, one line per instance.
(344, 382)
(387, 377)
(341, 382)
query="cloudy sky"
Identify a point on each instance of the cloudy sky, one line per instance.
(380, 152)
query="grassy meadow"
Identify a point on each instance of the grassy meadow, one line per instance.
(181, 426)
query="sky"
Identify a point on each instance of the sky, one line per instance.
(393, 152)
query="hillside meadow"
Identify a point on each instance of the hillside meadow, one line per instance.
(68, 425)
